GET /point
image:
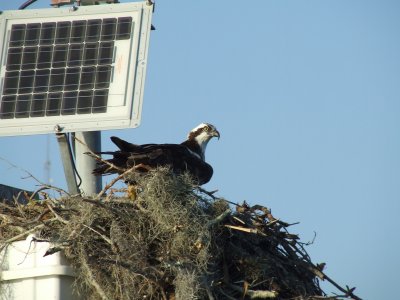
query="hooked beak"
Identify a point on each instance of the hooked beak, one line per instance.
(215, 133)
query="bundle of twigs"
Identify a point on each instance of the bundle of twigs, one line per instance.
(173, 241)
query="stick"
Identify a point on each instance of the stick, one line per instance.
(17, 237)
(249, 230)
(255, 294)
(31, 175)
(96, 156)
(102, 235)
(108, 186)
(219, 219)
(92, 281)
(59, 218)
(239, 220)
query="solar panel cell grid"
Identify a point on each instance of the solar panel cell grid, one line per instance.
(38, 105)
(78, 31)
(42, 80)
(14, 59)
(26, 81)
(8, 106)
(29, 58)
(63, 32)
(93, 30)
(53, 104)
(60, 68)
(23, 106)
(108, 29)
(32, 34)
(47, 33)
(17, 35)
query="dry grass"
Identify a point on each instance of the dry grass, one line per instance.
(174, 241)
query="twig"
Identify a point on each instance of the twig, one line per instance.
(92, 280)
(97, 157)
(35, 239)
(348, 292)
(219, 219)
(207, 288)
(226, 295)
(324, 298)
(249, 230)
(48, 187)
(59, 218)
(211, 194)
(102, 205)
(42, 184)
(21, 235)
(264, 294)
(141, 208)
(239, 220)
(108, 186)
(102, 235)
(145, 275)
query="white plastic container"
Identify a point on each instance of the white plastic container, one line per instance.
(26, 275)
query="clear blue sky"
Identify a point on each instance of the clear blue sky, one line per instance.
(306, 95)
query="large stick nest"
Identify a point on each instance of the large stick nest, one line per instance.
(173, 241)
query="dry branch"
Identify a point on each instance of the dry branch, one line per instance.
(259, 294)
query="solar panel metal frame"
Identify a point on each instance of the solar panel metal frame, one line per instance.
(129, 62)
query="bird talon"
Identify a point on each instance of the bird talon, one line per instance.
(132, 192)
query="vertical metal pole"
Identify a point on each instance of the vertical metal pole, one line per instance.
(67, 160)
(91, 184)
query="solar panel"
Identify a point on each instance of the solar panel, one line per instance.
(77, 67)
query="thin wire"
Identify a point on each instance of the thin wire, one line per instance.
(14, 92)
(26, 92)
(96, 38)
(32, 72)
(54, 79)
(66, 64)
(47, 163)
(94, 42)
(29, 49)
(99, 57)
(78, 95)
(49, 113)
(26, 4)
(55, 112)
(73, 161)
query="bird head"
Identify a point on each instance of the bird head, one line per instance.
(202, 134)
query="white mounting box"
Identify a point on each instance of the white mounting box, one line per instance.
(26, 275)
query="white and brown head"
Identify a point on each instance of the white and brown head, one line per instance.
(199, 137)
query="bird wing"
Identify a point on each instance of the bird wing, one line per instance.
(124, 145)
(149, 156)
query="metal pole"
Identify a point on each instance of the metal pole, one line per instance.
(91, 184)
(68, 163)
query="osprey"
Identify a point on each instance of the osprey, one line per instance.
(188, 156)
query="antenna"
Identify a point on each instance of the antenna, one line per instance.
(47, 162)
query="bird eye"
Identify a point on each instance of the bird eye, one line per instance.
(207, 128)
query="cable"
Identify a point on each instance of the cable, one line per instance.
(26, 4)
(73, 161)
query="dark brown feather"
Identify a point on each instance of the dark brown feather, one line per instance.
(185, 157)
(178, 157)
